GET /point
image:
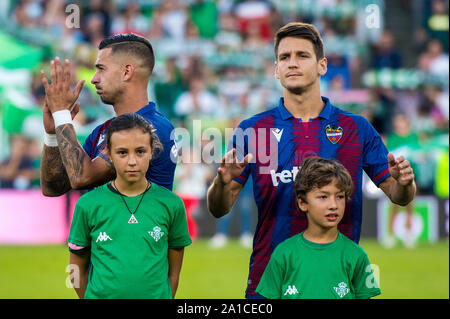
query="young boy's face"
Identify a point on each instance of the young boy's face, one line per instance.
(130, 152)
(325, 206)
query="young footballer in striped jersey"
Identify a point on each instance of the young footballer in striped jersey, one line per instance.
(269, 147)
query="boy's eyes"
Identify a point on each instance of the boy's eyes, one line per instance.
(325, 196)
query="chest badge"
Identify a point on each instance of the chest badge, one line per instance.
(341, 289)
(156, 233)
(334, 134)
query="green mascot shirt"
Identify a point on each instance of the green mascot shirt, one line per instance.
(129, 255)
(300, 269)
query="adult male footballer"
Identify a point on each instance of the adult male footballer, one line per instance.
(303, 124)
(124, 65)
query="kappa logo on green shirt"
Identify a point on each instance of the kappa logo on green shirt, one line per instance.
(103, 236)
(291, 290)
(156, 233)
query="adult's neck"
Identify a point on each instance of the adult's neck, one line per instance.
(131, 102)
(305, 106)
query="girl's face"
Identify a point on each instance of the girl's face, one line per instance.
(130, 152)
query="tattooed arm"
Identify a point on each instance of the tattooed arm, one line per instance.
(54, 180)
(82, 172)
(67, 166)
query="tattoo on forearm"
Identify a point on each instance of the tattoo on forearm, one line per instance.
(53, 174)
(72, 154)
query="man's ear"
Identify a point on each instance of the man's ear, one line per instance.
(128, 72)
(322, 66)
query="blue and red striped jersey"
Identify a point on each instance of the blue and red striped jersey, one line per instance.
(162, 166)
(279, 142)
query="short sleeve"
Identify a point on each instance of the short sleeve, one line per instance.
(375, 161)
(364, 280)
(79, 238)
(87, 145)
(270, 285)
(162, 167)
(179, 232)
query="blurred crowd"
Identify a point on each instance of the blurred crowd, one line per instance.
(215, 62)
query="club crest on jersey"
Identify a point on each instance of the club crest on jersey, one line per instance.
(334, 134)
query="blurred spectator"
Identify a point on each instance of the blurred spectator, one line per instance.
(437, 23)
(204, 15)
(381, 107)
(420, 40)
(169, 88)
(254, 14)
(170, 20)
(253, 40)
(434, 60)
(103, 10)
(197, 101)
(402, 135)
(228, 38)
(233, 90)
(19, 170)
(94, 30)
(402, 141)
(54, 17)
(131, 20)
(429, 117)
(29, 13)
(385, 55)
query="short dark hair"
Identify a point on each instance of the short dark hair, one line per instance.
(131, 43)
(301, 30)
(316, 172)
(130, 121)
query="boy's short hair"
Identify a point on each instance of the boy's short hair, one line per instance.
(133, 44)
(300, 30)
(316, 172)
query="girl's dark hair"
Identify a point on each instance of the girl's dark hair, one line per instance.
(130, 121)
(316, 172)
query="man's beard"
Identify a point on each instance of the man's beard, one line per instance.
(110, 98)
(300, 89)
(106, 100)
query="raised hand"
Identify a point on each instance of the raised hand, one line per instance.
(49, 124)
(58, 95)
(400, 170)
(230, 168)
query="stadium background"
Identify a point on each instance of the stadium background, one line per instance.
(384, 58)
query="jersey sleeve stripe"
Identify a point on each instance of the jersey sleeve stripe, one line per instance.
(377, 179)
